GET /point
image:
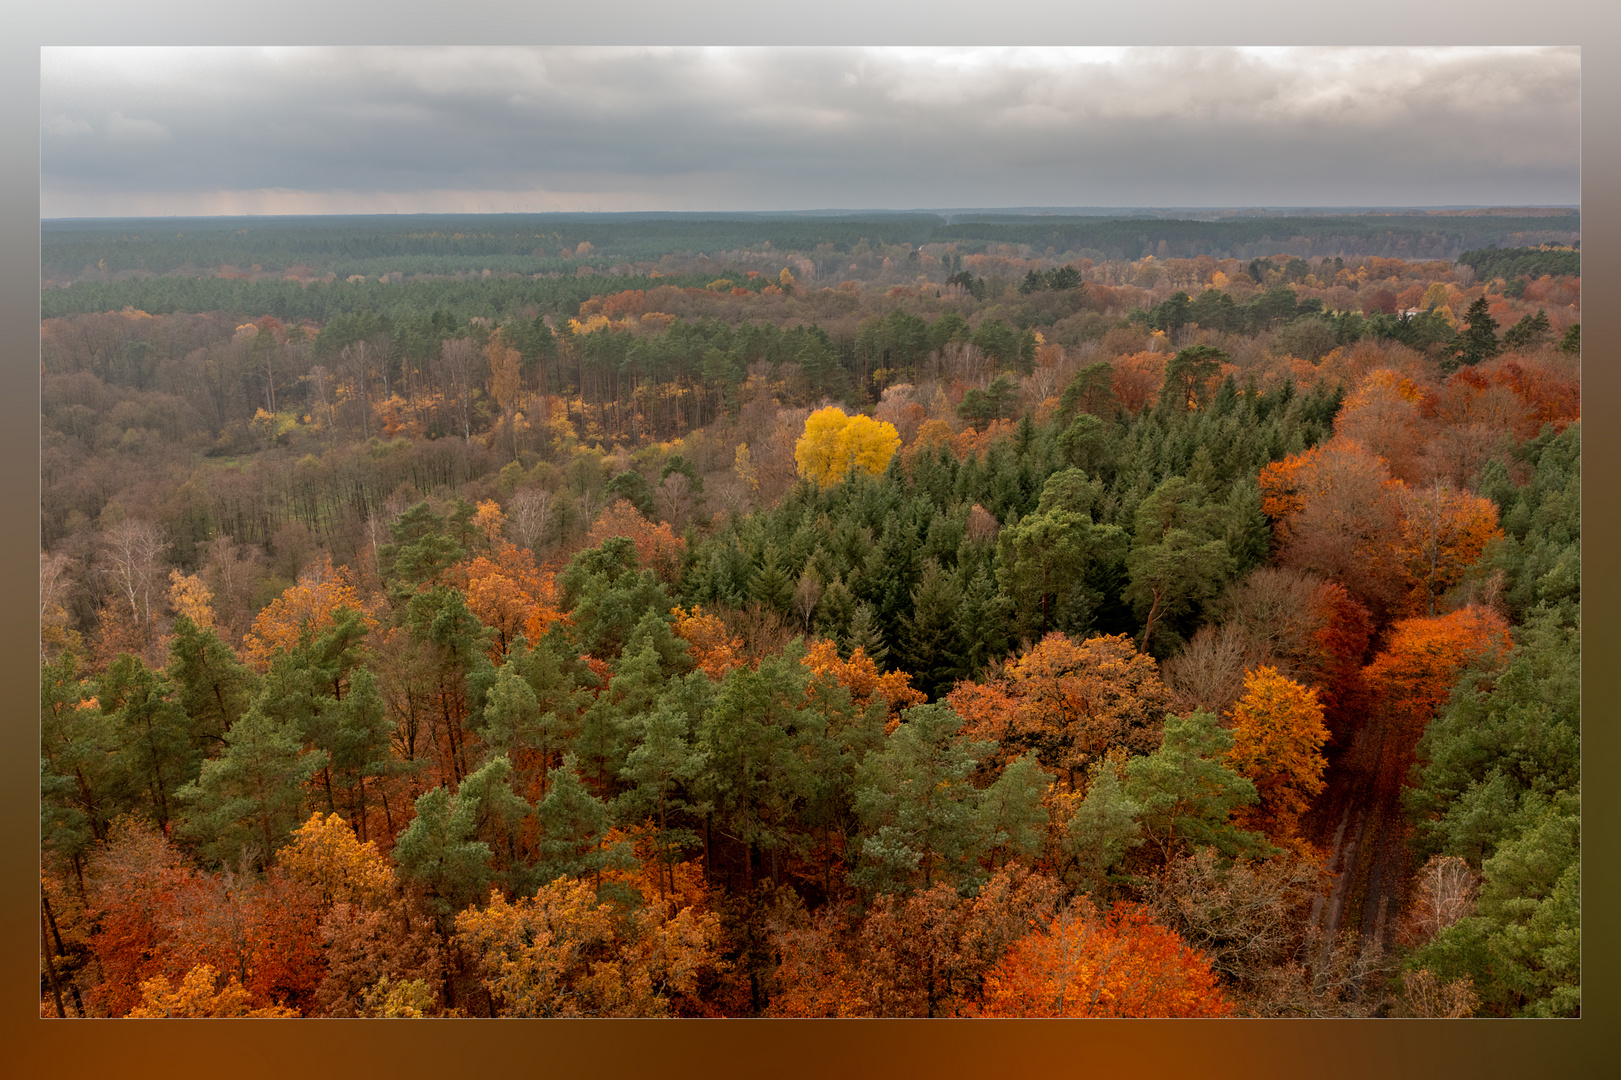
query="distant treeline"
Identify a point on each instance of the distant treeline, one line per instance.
(1532, 262)
(416, 243)
(1244, 238)
(293, 301)
(540, 243)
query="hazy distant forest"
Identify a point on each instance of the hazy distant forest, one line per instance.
(866, 615)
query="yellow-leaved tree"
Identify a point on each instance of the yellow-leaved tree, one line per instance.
(835, 442)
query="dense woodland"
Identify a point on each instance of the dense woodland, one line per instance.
(811, 617)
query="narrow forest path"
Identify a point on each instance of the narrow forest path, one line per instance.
(1358, 820)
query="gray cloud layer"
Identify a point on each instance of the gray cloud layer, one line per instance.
(344, 130)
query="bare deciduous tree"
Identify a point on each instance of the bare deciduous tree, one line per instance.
(1443, 893)
(530, 516)
(458, 364)
(132, 564)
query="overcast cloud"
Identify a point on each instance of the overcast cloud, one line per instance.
(213, 131)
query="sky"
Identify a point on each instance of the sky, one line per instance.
(206, 131)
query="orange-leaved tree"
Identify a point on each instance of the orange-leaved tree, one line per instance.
(861, 677)
(1278, 736)
(1443, 533)
(309, 606)
(715, 650)
(1423, 658)
(1070, 702)
(1084, 964)
(657, 546)
(1385, 415)
(509, 594)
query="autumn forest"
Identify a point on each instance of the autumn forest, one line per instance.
(818, 616)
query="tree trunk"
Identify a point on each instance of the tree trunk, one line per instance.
(50, 967)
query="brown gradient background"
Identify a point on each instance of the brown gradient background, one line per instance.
(1331, 1049)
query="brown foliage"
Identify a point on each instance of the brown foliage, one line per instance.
(657, 547)
(1068, 702)
(1335, 512)
(1443, 892)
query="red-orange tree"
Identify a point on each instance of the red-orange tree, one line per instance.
(1086, 965)
(1423, 657)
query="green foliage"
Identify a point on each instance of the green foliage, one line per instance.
(632, 485)
(1105, 827)
(439, 855)
(607, 594)
(499, 823)
(1494, 262)
(1186, 794)
(1497, 754)
(934, 644)
(1522, 947)
(155, 750)
(1530, 330)
(1540, 551)
(1175, 563)
(423, 547)
(919, 811)
(211, 686)
(1479, 340)
(573, 825)
(245, 803)
(1013, 820)
(83, 787)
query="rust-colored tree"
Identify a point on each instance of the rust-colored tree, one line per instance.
(1335, 511)
(1443, 533)
(657, 546)
(1068, 702)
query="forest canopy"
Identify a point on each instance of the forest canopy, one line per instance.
(663, 615)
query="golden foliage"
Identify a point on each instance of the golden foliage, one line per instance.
(188, 596)
(834, 443)
(860, 675)
(326, 855)
(563, 952)
(713, 648)
(198, 996)
(311, 605)
(1278, 736)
